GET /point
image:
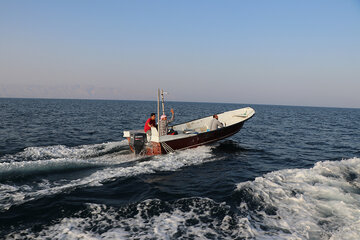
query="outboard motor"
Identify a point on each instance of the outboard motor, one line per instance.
(138, 140)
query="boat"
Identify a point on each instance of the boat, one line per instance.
(189, 134)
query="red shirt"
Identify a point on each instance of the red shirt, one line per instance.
(151, 122)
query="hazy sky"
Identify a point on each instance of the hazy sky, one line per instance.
(271, 52)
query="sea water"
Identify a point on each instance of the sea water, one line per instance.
(66, 172)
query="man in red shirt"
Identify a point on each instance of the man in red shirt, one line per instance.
(150, 123)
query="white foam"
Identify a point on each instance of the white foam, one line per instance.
(61, 151)
(25, 167)
(109, 172)
(189, 219)
(318, 203)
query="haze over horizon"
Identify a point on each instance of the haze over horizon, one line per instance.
(304, 53)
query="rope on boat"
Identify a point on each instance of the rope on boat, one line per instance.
(167, 148)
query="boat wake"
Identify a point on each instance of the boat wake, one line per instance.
(43, 171)
(61, 151)
(44, 160)
(318, 203)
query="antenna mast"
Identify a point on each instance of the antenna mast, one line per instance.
(158, 108)
(162, 101)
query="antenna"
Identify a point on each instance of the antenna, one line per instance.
(158, 109)
(162, 101)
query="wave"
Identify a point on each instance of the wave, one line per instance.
(112, 168)
(317, 203)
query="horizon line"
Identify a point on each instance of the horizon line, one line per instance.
(104, 99)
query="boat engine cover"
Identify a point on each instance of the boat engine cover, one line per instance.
(138, 140)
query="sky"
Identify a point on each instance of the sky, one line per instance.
(282, 52)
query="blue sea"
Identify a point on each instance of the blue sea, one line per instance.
(66, 172)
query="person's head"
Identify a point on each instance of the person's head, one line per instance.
(215, 116)
(163, 117)
(152, 116)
